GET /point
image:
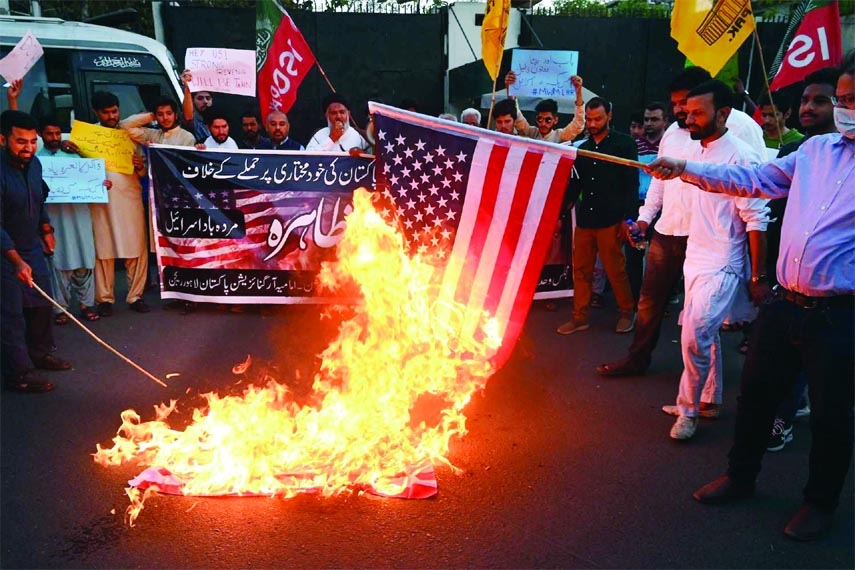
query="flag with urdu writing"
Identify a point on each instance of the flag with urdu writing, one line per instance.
(709, 32)
(283, 57)
(494, 28)
(815, 44)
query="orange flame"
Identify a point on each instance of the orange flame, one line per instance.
(390, 392)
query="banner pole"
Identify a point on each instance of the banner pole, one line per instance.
(766, 77)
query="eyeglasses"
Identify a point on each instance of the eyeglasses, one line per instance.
(545, 119)
(844, 101)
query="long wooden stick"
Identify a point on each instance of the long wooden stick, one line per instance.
(610, 158)
(579, 151)
(93, 335)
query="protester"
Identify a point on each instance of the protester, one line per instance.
(809, 325)
(279, 128)
(338, 135)
(775, 111)
(604, 194)
(73, 260)
(119, 225)
(636, 125)
(816, 116)
(26, 334)
(448, 117)
(505, 113)
(715, 267)
(546, 115)
(194, 107)
(471, 117)
(218, 125)
(167, 132)
(667, 246)
(250, 125)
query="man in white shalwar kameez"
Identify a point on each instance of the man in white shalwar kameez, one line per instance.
(716, 270)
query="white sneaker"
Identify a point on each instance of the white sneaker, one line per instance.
(684, 428)
(710, 411)
(803, 412)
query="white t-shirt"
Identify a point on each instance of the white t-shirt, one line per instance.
(350, 139)
(210, 143)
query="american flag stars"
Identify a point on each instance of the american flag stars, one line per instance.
(423, 180)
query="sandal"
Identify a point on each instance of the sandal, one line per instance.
(89, 314)
(60, 319)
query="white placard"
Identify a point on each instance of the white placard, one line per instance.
(74, 180)
(544, 73)
(221, 70)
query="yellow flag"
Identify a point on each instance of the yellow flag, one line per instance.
(493, 31)
(710, 31)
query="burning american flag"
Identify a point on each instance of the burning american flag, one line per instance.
(481, 204)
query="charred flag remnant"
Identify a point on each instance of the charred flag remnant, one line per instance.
(250, 227)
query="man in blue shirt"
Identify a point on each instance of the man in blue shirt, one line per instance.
(808, 325)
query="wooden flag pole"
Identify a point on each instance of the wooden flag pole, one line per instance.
(98, 340)
(501, 57)
(766, 78)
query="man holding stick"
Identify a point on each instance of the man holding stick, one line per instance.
(808, 325)
(26, 235)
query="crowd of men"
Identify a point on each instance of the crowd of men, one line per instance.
(728, 242)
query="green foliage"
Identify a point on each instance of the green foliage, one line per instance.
(599, 9)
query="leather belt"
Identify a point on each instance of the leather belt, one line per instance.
(810, 303)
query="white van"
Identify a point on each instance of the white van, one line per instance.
(81, 59)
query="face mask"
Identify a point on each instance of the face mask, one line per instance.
(844, 120)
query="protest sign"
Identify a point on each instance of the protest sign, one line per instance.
(544, 73)
(74, 180)
(250, 226)
(113, 145)
(221, 70)
(22, 58)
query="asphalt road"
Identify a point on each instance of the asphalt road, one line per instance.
(561, 468)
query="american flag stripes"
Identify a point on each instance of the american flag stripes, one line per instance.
(481, 205)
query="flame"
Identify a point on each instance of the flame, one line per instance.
(388, 397)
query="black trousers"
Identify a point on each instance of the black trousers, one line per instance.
(787, 339)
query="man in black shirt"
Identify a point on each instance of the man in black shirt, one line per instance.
(605, 194)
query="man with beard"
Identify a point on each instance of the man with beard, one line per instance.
(26, 235)
(604, 195)
(252, 133)
(279, 128)
(338, 135)
(218, 124)
(119, 225)
(667, 249)
(808, 325)
(816, 116)
(72, 263)
(167, 131)
(194, 107)
(715, 267)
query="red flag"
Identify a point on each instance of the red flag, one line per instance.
(482, 205)
(284, 57)
(816, 43)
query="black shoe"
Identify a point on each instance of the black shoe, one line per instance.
(51, 362)
(29, 382)
(620, 368)
(140, 306)
(723, 490)
(105, 309)
(809, 523)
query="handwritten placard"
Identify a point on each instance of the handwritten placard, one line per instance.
(544, 73)
(74, 180)
(22, 58)
(113, 145)
(221, 70)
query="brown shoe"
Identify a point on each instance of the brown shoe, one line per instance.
(51, 362)
(571, 327)
(809, 523)
(29, 382)
(625, 323)
(620, 368)
(723, 490)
